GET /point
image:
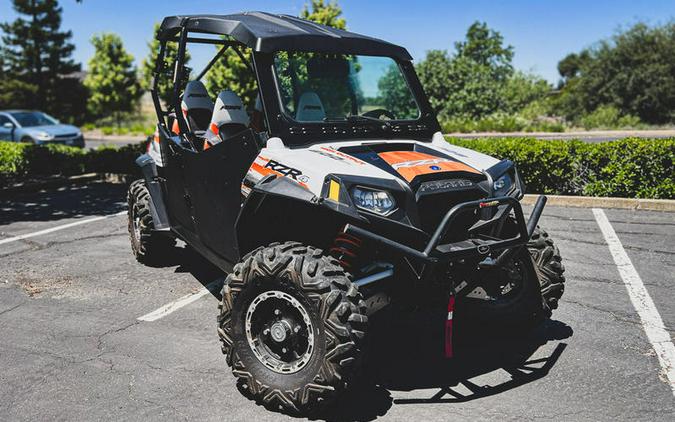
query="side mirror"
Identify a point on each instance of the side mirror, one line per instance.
(8, 125)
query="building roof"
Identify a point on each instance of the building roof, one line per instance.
(265, 32)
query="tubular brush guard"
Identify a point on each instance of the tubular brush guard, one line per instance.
(435, 253)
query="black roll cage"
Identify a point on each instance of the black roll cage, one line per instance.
(179, 75)
(276, 121)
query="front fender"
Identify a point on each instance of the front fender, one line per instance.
(279, 209)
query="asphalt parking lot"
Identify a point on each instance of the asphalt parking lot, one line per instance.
(73, 346)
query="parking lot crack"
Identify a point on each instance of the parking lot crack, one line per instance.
(624, 319)
(43, 246)
(11, 309)
(99, 342)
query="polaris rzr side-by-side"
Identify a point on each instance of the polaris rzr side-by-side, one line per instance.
(327, 197)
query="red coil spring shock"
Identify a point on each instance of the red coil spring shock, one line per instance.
(346, 249)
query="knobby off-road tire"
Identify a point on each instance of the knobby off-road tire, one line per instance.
(334, 306)
(149, 247)
(520, 306)
(547, 258)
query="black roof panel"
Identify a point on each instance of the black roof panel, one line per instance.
(266, 33)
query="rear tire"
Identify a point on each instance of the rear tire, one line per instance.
(148, 246)
(334, 312)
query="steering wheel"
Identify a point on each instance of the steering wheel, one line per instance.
(378, 112)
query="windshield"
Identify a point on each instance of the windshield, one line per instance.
(33, 118)
(315, 87)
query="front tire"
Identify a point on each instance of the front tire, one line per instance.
(546, 257)
(509, 295)
(148, 246)
(291, 324)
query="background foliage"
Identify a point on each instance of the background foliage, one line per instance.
(632, 167)
(111, 78)
(36, 65)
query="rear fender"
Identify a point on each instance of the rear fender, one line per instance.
(160, 216)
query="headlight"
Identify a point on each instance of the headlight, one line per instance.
(377, 201)
(502, 185)
(43, 136)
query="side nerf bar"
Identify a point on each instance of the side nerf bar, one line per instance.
(435, 252)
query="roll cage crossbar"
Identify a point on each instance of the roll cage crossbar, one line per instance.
(264, 34)
(180, 72)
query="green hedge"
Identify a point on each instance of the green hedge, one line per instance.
(19, 160)
(630, 168)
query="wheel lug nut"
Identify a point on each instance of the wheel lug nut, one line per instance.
(297, 328)
(266, 331)
(283, 350)
(277, 312)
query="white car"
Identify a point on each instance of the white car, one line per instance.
(37, 127)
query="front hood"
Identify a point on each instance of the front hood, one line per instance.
(54, 130)
(405, 161)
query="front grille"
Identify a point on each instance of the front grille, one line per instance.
(66, 136)
(432, 208)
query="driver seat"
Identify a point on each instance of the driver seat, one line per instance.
(310, 108)
(196, 106)
(229, 118)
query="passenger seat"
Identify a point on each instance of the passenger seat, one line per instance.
(229, 118)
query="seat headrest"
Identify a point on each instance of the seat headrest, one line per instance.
(229, 110)
(196, 97)
(310, 108)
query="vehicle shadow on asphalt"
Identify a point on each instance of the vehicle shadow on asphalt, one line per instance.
(407, 356)
(68, 202)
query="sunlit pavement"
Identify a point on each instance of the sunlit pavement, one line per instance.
(73, 347)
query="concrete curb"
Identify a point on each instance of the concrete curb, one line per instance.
(58, 182)
(598, 202)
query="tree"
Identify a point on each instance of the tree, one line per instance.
(324, 13)
(36, 55)
(230, 72)
(634, 71)
(485, 47)
(470, 82)
(165, 86)
(522, 89)
(396, 95)
(112, 79)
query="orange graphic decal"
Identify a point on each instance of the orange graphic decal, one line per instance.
(411, 164)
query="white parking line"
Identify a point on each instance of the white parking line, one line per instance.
(61, 227)
(651, 320)
(171, 307)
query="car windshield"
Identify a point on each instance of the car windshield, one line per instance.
(316, 87)
(33, 118)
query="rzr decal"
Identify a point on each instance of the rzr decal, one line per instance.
(283, 169)
(410, 164)
(262, 167)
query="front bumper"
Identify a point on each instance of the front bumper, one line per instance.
(435, 253)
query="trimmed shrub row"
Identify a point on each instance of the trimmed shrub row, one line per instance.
(629, 168)
(20, 160)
